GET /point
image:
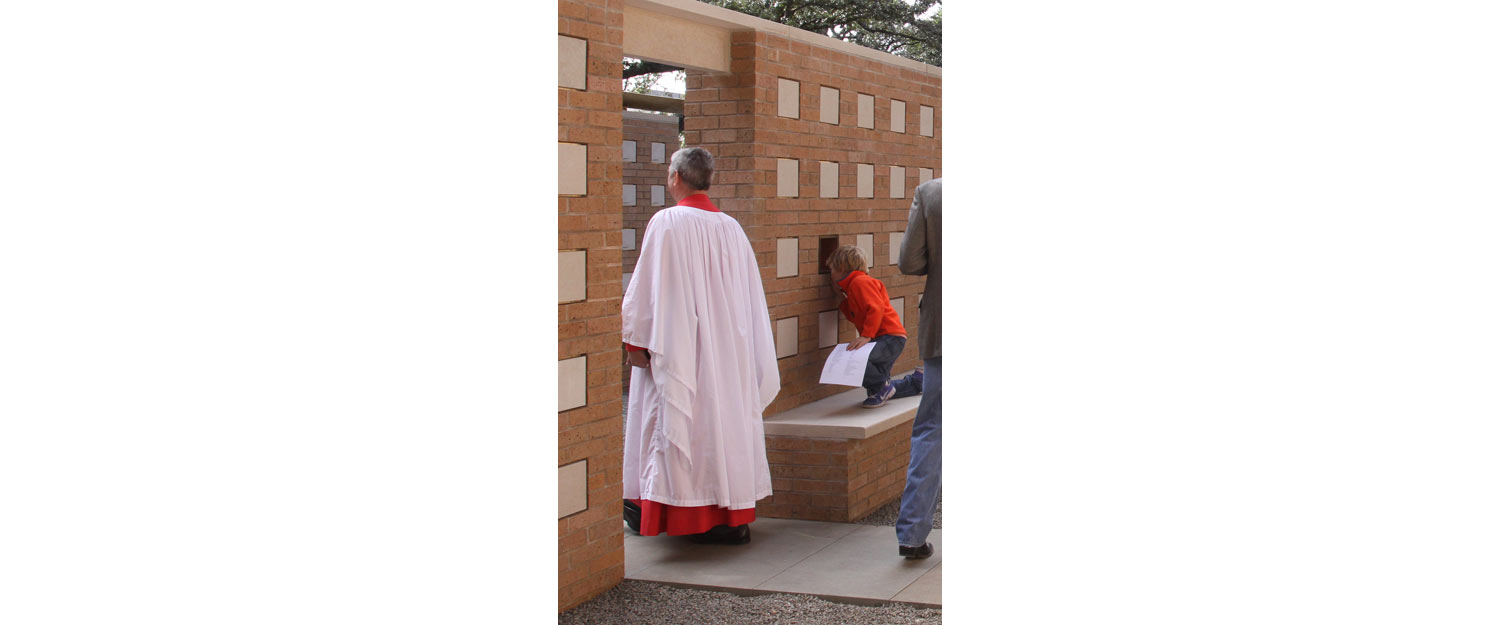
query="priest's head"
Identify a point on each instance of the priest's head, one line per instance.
(691, 171)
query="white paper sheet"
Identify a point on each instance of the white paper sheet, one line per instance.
(846, 367)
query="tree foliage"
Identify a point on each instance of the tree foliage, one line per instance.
(894, 26)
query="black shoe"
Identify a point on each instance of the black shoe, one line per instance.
(723, 535)
(633, 516)
(917, 553)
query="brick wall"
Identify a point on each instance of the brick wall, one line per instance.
(590, 550)
(835, 479)
(736, 116)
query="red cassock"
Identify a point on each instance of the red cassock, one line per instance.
(660, 518)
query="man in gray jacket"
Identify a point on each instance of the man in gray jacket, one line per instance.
(922, 255)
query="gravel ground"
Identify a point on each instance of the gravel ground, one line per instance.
(645, 603)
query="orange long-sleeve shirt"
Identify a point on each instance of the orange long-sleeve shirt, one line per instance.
(868, 306)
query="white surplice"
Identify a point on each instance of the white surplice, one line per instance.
(693, 431)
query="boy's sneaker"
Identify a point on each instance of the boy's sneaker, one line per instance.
(877, 400)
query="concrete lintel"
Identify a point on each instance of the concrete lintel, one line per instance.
(731, 21)
(666, 38)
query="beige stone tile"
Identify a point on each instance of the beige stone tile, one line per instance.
(775, 546)
(828, 179)
(923, 174)
(572, 280)
(627, 194)
(828, 328)
(925, 126)
(658, 152)
(866, 242)
(788, 98)
(895, 246)
(866, 110)
(627, 239)
(898, 182)
(786, 177)
(927, 590)
(863, 564)
(658, 195)
(572, 169)
(898, 116)
(899, 304)
(572, 62)
(572, 381)
(572, 488)
(786, 257)
(786, 337)
(864, 180)
(828, 105)
(627, 148)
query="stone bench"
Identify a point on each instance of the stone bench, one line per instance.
(832, 460)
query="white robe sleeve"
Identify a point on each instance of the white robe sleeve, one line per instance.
(660, 299)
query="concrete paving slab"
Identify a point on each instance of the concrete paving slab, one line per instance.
(775, 546)
(927, 590)
(862, 564)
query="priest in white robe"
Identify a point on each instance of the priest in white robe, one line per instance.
(698, 335)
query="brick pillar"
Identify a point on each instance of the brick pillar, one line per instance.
(591, 548)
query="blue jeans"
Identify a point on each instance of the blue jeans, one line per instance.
(878, 369)
(924, 476)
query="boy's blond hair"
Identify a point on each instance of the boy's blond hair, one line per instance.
(848, 258)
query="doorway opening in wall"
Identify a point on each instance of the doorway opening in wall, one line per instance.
(653, 95)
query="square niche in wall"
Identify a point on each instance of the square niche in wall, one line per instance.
(866, 242)
(828, 328)
(572, 62)
(572, 488)
(627, 239)
(658, 152)
(572, 169)
(828, 179)
(896, 239)
(826, 248)
(658, 195)
(788, 98)
(572, 283)
(926, 121)
(899, 304)
(786, 177)
(866, 111)
(627, 194)
(898, 116)
(828, 105)
(786, 337)
(864, 180)
(786, 258)
(627, 148)
(572, 383)
(923, 174)
(898, 182)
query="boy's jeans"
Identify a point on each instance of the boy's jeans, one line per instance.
(924, 476)
(887, 348)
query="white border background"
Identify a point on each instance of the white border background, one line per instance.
(1223, 306)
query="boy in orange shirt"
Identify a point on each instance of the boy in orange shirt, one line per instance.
(864, 301)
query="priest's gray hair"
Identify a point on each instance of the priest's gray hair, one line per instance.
(695, 166)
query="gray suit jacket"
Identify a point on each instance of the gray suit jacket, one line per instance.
(922, 255)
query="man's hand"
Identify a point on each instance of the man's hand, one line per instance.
(858, 342)
(640, 359)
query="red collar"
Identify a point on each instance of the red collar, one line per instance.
(699, 200)
(844, 284)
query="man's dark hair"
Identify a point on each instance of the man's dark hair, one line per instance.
(695, 166)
